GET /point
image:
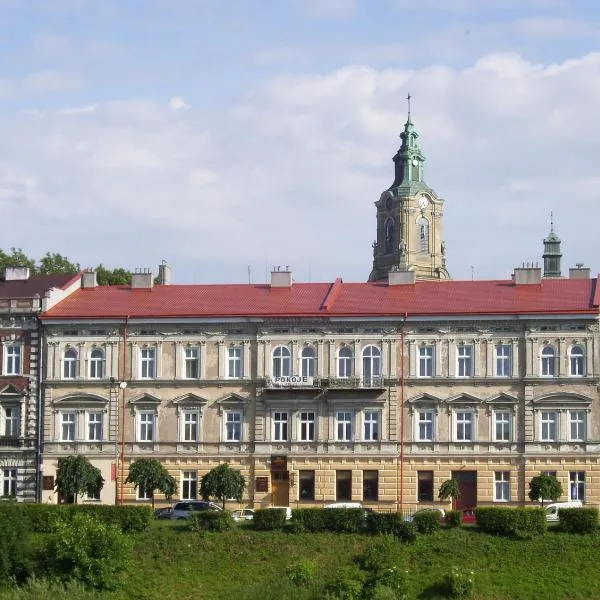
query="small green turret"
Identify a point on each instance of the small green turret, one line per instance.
(552, 254)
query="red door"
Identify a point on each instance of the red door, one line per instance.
(467, 485)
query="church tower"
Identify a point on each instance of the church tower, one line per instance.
(409, 218)
(552, 253)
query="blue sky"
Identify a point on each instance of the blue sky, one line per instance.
(222, 134)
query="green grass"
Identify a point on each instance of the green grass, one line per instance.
(171, 562)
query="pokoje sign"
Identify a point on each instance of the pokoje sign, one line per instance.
(292, 380)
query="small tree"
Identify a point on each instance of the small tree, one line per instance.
(221, 483)
(75, 475)
(149, 475)
(449, 489)
(544, 487)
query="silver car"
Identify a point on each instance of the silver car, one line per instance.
(186, 508)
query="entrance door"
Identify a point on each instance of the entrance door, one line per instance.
(280, 488)
(467, 485)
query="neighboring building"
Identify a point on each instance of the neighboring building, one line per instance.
(22, 298)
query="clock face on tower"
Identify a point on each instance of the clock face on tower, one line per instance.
(423, 202)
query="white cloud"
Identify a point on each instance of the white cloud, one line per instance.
(328, 9)
(555, 27)
(290, 174)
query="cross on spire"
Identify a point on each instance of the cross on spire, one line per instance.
(551, 222)
(408, 101)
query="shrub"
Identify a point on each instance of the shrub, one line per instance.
(348, 584)
(523, 522)
(460, 583)
(209, 520)
(427, 521)
(309, 519)
(269, 518)
(392, 578)
(301, 573)
(345, 520)
(14, 551)
(383, 522)
(88, 550)
(406, 532)
(382, 552)
(453, 518)
(578, 520)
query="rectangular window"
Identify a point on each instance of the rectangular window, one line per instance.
(343, 486)
(502, 421)
(371, 422)
(577, 418)
(426, 361)
(464, 426)
(67, 427)
(192, 363)
(234, 362)
(503, 360)
(144, 493)
(306, 485)
(95, 426)
(344, 426)
(307, 426)
(425, 431)
(9, 482)
(280, 426)
(146, 426)
(425, 486)
(95, 496)
(147, 363)
(502, 486)
(464, 361)
(189, 485)
(233, 426)
(577, 485)
(13, 359)
(11, 421)
(190, 426)
(549, 421)
(371, 486)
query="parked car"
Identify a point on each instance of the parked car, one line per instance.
(344, 505)
(163, 513)
(552, 509)
(410, 518)
(468, 516)
(243, 514)
(186, 508)
(288, 511)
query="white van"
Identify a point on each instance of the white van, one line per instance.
(552, 509)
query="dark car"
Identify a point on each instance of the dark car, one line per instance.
(163, 513)
(186, 508)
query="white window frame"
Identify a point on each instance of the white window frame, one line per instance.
(13, 359)
(371, 364)
(233, 421)
(548, 361)
(190, 424)
(191, 359)
(143, 424)
(344, 427)
(425, 419)
(426, 361)
(10, 422)
(235, 362)
(502, 418)
(308, 425)
(345, 362)
(69, 425)
(281, 361)
(147, 357)
(9, 477)
(577, 486)
(189, 478)
(578, 419)
(96, 364)
(143, 494)
(308, 362)
(546, 422)
(503, 362)
(502, 491)
(461, 422)
(465, 360)
(281, 425)
(577, 361)
(372, 425)
(93, 425)
(69, 363)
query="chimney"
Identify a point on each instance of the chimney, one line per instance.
(527, 274)
(142, 279)
(398, 277)
(89, 281)
(579, 272)
(281, 278)
(16, 273)
(164, 273)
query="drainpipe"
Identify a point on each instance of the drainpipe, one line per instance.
(39, 416)
(401, 499)
(122, 392)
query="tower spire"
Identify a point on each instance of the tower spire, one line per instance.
(408, 102)
(552, 253)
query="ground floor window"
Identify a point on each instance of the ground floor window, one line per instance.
(189, 485)
(9, 482)
(371, 485)
(144, 493)
(577, 485)
(343, 486)
(425, 486)
(502, 486)
(307, 485)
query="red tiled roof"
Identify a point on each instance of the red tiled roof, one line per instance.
(36, 284)
(425, 298)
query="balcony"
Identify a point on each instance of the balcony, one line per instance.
(372, 382)
(16, 442)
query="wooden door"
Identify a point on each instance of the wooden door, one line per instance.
(280, 488)
(467, 485)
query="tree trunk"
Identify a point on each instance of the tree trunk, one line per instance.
(152, 499)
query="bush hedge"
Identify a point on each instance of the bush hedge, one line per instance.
(309, 519)
(14, 551)
(345, 520)
(269, 518)
(453, 518)
(40, 518)
(427, 521)
(208, 520)
(578, 520)
(506, 521)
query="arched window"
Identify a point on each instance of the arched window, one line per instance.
(282, 362)
(389, 236)
(371, 357)
(576, 361)
(70, 363)
(423, 224)
(548, 361)
(96, 364)
(345, 360)
(307, 362)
